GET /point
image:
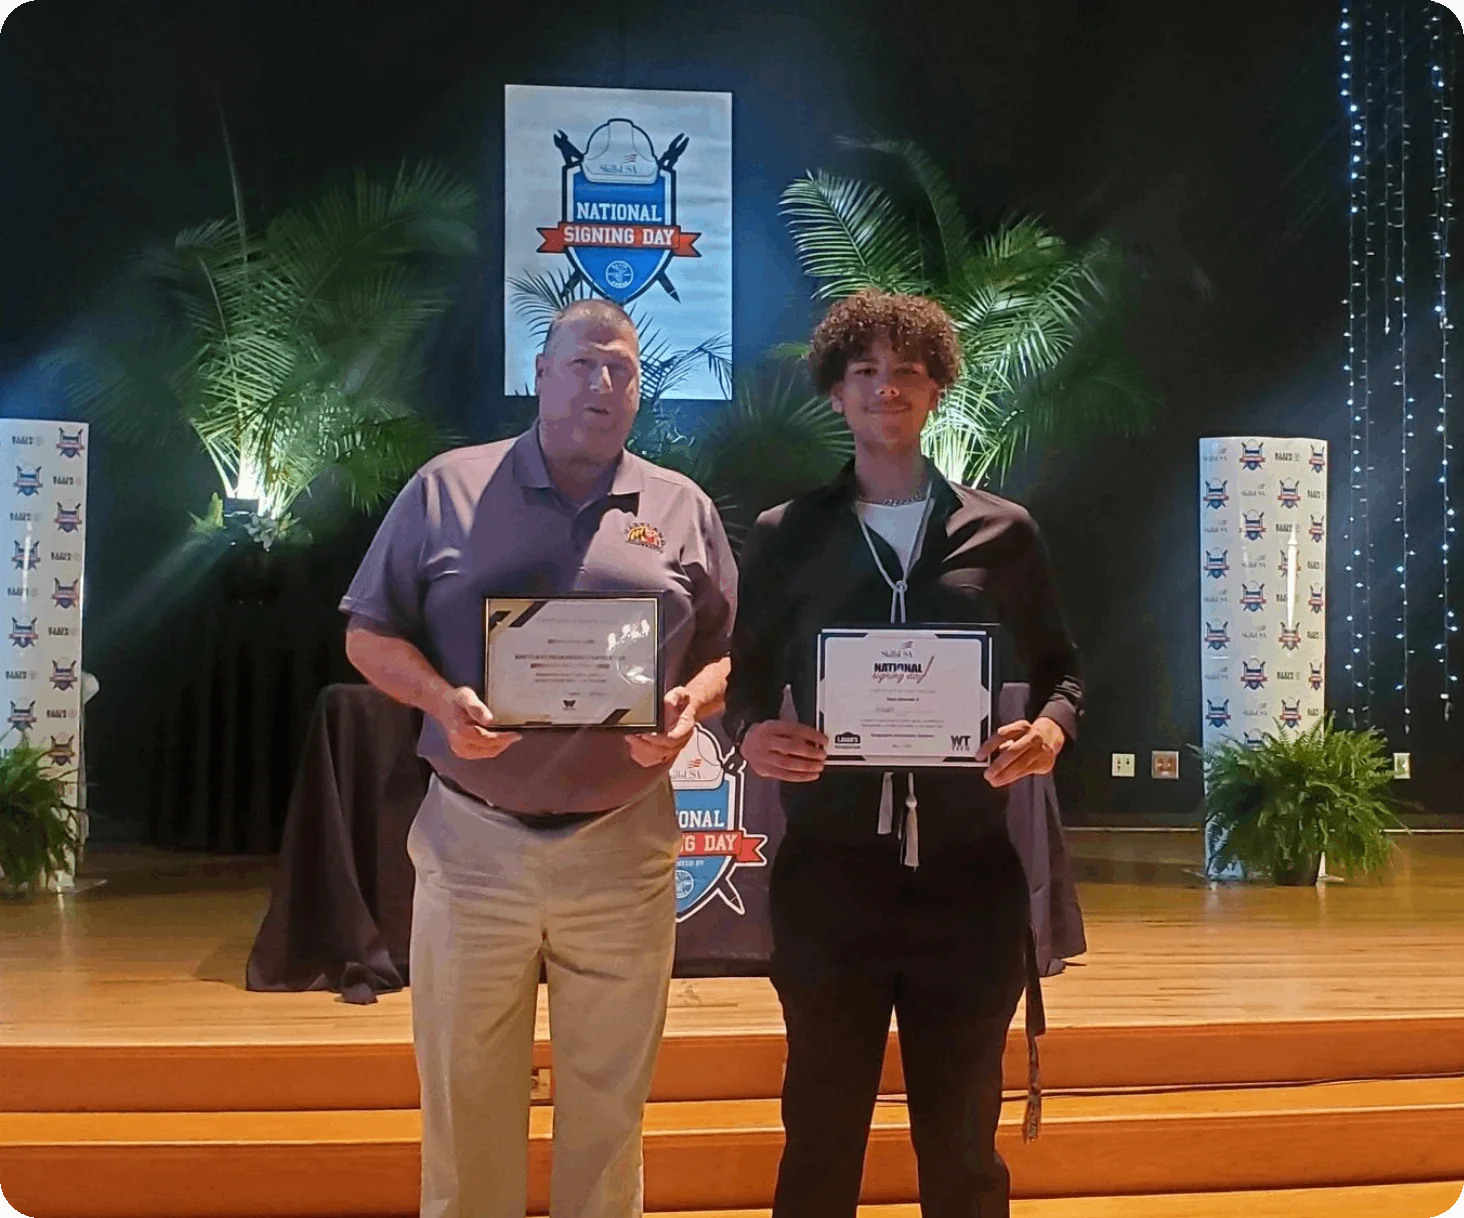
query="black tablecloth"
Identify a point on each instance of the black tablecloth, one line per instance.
(340, 917)
(340, 914)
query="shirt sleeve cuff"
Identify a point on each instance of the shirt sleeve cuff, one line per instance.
(1061, 712)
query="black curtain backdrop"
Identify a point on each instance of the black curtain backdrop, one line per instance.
(1209, 141)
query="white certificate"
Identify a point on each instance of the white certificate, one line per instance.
(902, 696)
(585, 660)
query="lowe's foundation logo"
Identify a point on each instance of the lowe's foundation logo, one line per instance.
(1314, 678)
(64, 676)
(618, 212)
(1289, 495)
(1252, 456)
(1216, 565)
(1215, 494)
(28, 481)
(1253, 525)
(1252, 597)
(1217, 714)
(1290, 713)
(1217, 638)
(1289, 637)
(709, 787)
(69, 443)
(1253, 674)
(23, 634)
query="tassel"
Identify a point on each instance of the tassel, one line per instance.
(912, 825)
(887, 805)
(1032, 1123)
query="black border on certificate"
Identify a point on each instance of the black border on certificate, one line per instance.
(983, 630)
(534, 605)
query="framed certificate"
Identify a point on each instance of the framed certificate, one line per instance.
(905, 696)
(575, 661)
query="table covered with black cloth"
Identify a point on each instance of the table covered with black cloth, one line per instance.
(340, 914)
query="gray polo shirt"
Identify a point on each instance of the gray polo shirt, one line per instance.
(488, 520)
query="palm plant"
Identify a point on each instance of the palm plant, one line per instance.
(1036, 317)
(774, 441)
(1278, 807)
(289, 353)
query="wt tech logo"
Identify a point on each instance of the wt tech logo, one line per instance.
(1216, 566)
(1215, 494)
(1253, 525)
(1217, 638)
(1252, 456)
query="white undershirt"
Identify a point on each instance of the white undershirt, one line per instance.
(897, 525)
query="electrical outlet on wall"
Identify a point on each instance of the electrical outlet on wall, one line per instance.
(1402, 765)
(1123, 765)
(1164, 763)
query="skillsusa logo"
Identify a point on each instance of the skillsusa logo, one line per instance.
(709, 787)
(618, 211)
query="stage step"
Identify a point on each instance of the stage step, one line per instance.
(720, 1155)
(266, 1077)
(1391, 1201)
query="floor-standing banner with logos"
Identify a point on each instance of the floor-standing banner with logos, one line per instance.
(45, 467)
(1263, 586)
(624, 194)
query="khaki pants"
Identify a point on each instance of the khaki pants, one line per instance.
(596, 903)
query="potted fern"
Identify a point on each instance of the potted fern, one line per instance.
(39, 830)
(1276, 808)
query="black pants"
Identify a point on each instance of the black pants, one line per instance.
(857, 935)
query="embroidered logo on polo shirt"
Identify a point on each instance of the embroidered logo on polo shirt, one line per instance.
(639, 533)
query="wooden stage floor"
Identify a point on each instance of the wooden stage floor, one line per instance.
(156, 954)
(1305, 1046)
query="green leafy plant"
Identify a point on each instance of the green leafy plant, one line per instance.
(1278, 806)
(39, 834)
(774, 441)
(290, 354)
(1037, 318)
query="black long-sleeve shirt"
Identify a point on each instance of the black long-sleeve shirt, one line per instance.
(806, 566)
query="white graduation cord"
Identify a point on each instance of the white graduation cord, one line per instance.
(898, 588)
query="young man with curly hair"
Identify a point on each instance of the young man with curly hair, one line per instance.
(917, 904)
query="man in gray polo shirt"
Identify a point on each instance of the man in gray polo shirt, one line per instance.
(545, 847)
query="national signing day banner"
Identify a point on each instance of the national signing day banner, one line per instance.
(1263, 585)
(624, 194)
(45, 468)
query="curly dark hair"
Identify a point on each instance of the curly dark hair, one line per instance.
(917, 327)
